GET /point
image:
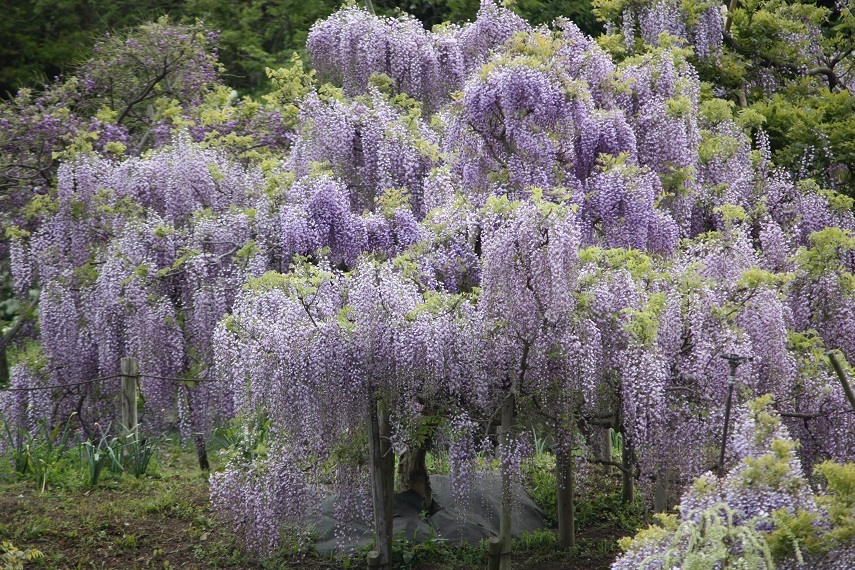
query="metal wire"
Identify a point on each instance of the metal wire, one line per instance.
(34, 388)
(173, 379)
(93, 380)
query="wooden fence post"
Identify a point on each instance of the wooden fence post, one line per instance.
(566, 483)
(494, 553)
(129, 369)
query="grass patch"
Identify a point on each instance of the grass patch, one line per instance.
(161, 520)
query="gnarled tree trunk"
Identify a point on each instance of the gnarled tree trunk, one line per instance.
(627, 478)
(413, 475)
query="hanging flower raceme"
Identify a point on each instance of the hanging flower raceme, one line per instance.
(141, 258)
(351, 46)
(514, 130)
(370, 143)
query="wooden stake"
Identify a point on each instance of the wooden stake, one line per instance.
(507, 489)
(566, 479)
(494, 553)
(129, 370)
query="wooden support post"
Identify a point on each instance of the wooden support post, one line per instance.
(734, 361)
(4, 366)
(129, 370)
(382, 473)
(727, 406)
(373, 559)
(660, 491)
(566, 486)
(505, 513)
(494, 553)
(729, 20)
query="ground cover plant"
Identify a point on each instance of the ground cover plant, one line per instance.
(443, 243)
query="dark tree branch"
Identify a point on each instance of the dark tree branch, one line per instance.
(619, 467)
(847, 389)
(799, 415)
(829, 74)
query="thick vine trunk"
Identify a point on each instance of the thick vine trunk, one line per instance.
(382, 472)
(413, 475)
(566, 479)
(507, 487)
(605, 448)
(201, 452)
(841, 375)
(198, 436)
(627, 479)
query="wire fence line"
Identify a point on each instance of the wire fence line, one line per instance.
(102, 378)
(35, 388)
(176, 380)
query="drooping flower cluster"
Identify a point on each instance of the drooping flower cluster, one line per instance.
(370, 143)
(315, 340)
(129, 267)
(352, 45)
